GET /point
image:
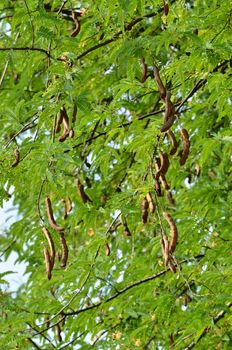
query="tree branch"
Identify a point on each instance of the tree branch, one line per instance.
(25, 49)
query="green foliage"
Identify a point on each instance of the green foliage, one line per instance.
(129, 299)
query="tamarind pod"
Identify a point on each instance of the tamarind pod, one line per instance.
(144, 70)
(157, 188)
(170, 197)
(164, 182)
(172, 267)
(47, 263)
(65, 118)
(166, 9)
(51, 219)
(186, 146)
(17, 158)
(164, 164)
(173, 231)
(107, 249)
(51, 246)
(197, 170)
(165, 249)
(169, 113)
(59, 122)
(77, 24)
(58, 332)
(71, 133)
(145, 206)
(74, 113)
(80, 189)
(173, 141)
(150, 202)
(167, 124)
(64, 136)
(64, 247)
(161, 87)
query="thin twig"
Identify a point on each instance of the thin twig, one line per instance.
(26, 48)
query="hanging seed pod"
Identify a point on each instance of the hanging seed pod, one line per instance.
(48, 263)
(51, 219)
(173, 141)
(170, 197)
(81, 192)
(126, 230)
(74, 113)
(64, 247)
(197, 170)
(107, 249)
(164, 165)
(165, 249)
(51, 246)
(166, 8)
(169, 113)
(144, 70)
(164, 182)
(58, 332)
(71, 133)
(77, 25)
(144, 210)
(150, 202)
(172, 267)
(161, 87)
(157, 188)
(186, 146)
(59, 122)
(17, 158)
(65, 121)
(173, 231)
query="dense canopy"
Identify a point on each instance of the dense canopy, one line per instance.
(116, 149)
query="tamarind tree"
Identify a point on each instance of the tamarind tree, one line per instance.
(116, 150)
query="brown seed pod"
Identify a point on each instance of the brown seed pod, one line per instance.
(169, 113)
(81, 192)
(166, 8)
(161, 87)
(64, 136)
(58, 332)
(64, 247)
(107, 249)
(65, 118)
(74, 113)
(59, 121)
(197, 170)
(48, 263)
(51, 246)
(145, 206)
(77, 24)
(186, 146)
(51, 219)
(17, 158)
(170, 197)
(165, 249)
(164, 182)
(173, 141)
(144, 70)
(173, 231)
(150, 202)
(164, 164)
(157, 188)
(71, 133)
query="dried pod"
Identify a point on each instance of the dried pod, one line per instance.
(74, 113)
(186, 146)
(64, 247)
(169, 113)
(166, 8)
(77, 24)
(51, 219)
(173, 231)
(161, 87)
(48, 263)
(58, 332)
(144, 70)
(173, 141)
(17, 158)
(51, 246)
(107, 249)
(157, 188)
(164, 164)
(71, 133)
(64, 136)
(170, 197)
(164, 182)
(65, 118)
(150, 202)
(165, 249)
(81, 192)
(59, 121)
(145, 206)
